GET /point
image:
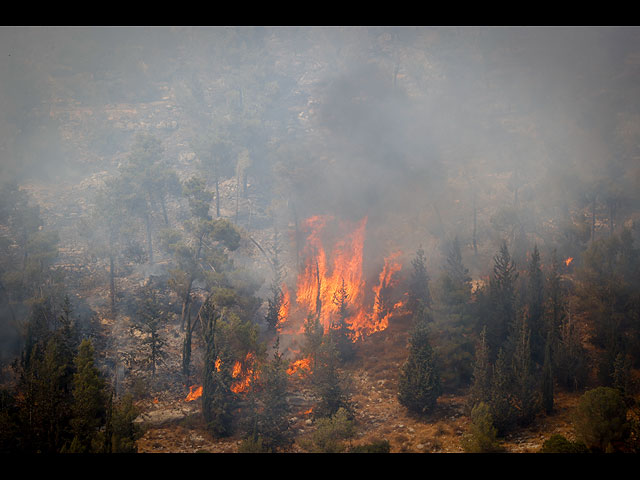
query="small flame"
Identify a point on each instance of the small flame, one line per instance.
(283, 313)
(217, 364)
(300, 365)
(245, 371)
(155, 400)
(568, 261)
(194, 394)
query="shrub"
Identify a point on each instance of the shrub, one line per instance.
(559, 444)
(601, 419)
(482, 437)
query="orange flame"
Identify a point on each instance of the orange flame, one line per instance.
(283, 313)
(194, 394)
(300, 365)
(326, 271)
(568, 261)
(244, 370)
(217, 364)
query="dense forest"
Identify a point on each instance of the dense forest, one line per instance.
(319, 239)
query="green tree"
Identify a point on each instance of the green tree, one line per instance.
(525, 393)
(600, 419)
(548, 378)
(502, 300)
(419, 383)
(482, 436)
(270, 426)
(559, 444)
(331, 433)
(501, 404)
(124, 431)
(455, 281)
(329, 384)
(480, 390)
(89, 401)
(150, 321)
(217, 397)
(419, 292)
(534, 301)
(339, 329)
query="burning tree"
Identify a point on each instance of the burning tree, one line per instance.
(217, 397)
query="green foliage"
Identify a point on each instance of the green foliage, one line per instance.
(559, 444)
(269, 429)
(502, 314)
(482, 436)
(217, 397)
(419, 292)
(125, 432)
(455, 282)
(600, 419)
(89, 401)
(480, 390)
(534, 302)
(377, 446)
(331, 432)
(329, 384)
(419, 383)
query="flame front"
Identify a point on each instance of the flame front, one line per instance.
(328, 270)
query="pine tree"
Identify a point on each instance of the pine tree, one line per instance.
(419, 384)
(502, 300)
(328, 383)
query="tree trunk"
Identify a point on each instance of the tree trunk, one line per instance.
(112, 284)
(147, 219)
(593, 219)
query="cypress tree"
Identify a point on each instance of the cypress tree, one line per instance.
(480, 390)
(547, 378)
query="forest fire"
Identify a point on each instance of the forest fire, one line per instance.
(194, 394)
(568, 261)
(333, 268)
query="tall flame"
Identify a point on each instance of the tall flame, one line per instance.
(340, 266)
